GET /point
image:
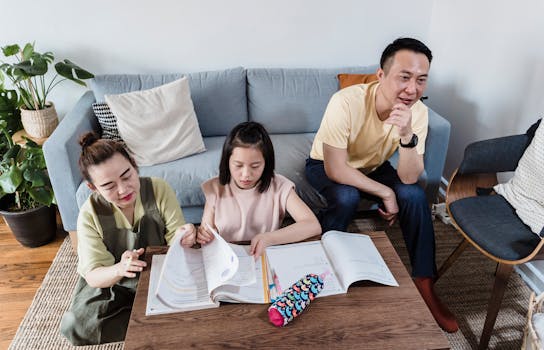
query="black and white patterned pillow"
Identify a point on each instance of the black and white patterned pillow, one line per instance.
(107, 121)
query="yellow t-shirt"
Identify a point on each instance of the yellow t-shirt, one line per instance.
(351, 122)
(92, 251)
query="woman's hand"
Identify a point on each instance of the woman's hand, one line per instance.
(129, 264)
(259, 244)
(189, 235)
(205, 235)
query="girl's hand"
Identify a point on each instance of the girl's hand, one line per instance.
(259, 244)
(129, 264)
(189, 235)
(205, 235)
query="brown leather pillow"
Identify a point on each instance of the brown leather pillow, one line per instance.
(346, 80)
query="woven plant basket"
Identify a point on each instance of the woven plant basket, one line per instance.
(531, 340)
(40, 123)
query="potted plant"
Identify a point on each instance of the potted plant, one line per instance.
(27, 74)
(26, 195)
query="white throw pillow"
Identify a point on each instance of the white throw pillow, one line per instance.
(525, 190)
(158, 125)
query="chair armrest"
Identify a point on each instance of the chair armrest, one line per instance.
(436, 148)
(494, 155)
(61, 152)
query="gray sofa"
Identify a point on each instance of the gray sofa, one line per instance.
(288, 102)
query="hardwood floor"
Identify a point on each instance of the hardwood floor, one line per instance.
(21, 273)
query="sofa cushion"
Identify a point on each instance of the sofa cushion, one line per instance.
(158, 125)
(107, 122)
(293, 100)
(219, 97)
(345, 80)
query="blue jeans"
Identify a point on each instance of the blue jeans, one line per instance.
(414, 213)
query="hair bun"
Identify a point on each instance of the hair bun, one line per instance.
(88, 139)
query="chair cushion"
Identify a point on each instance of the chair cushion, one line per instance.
(491, 222)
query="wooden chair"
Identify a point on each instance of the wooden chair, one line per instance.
(486, 220)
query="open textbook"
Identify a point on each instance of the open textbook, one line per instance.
(190, 279)
(341, 258)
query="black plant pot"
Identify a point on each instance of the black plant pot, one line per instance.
(34, 227)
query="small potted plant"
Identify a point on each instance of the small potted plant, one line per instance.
(27, 74)
(26, 195)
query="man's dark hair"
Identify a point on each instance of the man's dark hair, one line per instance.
(248, 134)
(404, 44)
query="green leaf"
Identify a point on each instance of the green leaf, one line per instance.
(10, 180)
(37, 177)
(37, 65)
(11, 153)
(71, 71)
(10, 50)
(28, 50)
(42, 195)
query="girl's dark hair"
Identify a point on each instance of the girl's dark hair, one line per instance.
(248, 134)
(95, 150)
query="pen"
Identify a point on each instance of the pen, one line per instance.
(276, 282)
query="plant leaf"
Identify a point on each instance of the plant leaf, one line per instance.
(11, 179)
(11, 153)
(36, 176)
(28, 50)
(42, 195)
(37, 65)
(71, 71)
(10, 50)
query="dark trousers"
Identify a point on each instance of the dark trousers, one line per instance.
(414, 213)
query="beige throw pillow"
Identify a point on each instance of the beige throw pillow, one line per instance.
(525, 190)
(158, 125)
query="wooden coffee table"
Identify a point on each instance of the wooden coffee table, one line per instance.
(369, 316)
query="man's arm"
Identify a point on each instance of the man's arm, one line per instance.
(338, 170)
(410, 163)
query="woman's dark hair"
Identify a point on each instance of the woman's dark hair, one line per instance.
(248, 134)
(95, 150)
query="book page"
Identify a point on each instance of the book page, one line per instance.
(246, 273)
(220, 262)
(255, 292)
(291, 262)
(154, 306)
(355, 258)
(182, 279)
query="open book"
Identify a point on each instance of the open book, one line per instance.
(341, 258)
(189, 279)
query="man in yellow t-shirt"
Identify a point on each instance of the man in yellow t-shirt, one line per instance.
(362, 127)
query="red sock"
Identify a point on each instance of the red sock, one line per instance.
(445, 319)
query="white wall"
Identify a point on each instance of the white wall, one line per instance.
(488, 77)
(142, 36)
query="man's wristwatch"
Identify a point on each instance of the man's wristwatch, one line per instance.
(411, 144)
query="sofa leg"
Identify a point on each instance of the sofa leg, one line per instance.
(73, 240)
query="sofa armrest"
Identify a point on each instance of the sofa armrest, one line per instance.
(436, 148)
(61, 151)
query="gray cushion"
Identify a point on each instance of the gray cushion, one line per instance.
(219, 97)
(492, 224)
(293, 100)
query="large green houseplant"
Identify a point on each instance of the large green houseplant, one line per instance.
(27, 70)
(26, 195)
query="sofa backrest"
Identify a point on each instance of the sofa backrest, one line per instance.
(293, 100)
(219, 97)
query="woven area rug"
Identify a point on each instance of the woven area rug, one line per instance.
(465, 288)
